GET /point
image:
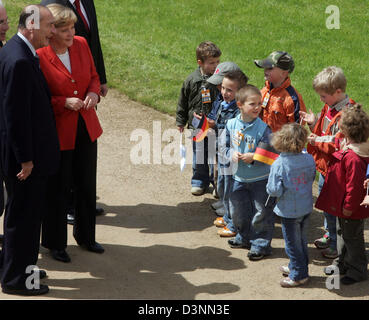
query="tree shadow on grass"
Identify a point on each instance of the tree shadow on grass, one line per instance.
(127, 272)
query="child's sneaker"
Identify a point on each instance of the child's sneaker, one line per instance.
(219, 222)
(330, 253)
(285, 270)
(197, 191)
(289, 283)
(323, 242)
(253, 256)
(217, 205)
(225, 232)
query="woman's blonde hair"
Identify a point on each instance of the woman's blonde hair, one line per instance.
(292, 137)
(354, 124)
(63, 15)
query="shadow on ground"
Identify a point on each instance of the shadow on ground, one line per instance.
(139, 272)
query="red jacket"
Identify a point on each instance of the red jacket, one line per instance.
(343, 186)
(322, 151)
(63, 84)
(282, 106)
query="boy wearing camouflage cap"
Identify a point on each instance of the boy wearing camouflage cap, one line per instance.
(281, 103)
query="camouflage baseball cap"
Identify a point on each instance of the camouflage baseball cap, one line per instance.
(221, 70)
(280, 59)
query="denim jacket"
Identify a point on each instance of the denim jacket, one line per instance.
(291, 179)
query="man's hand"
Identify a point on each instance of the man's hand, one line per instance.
(104, 90)
(91, 100)
(26, 170)
(180, 128)
(197, 116)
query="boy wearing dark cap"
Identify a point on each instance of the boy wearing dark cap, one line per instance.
(281, 103)
(197, 96)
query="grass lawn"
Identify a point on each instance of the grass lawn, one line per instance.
(149, 46)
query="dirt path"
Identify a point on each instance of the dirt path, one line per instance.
(159, 239)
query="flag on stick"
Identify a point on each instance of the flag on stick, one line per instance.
(203, 125)
(265, 153)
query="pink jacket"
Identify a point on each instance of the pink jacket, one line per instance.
(343, 186)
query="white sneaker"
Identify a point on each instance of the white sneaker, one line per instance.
(285, 270)
(217, 205)
(197, 191)
(288, 283)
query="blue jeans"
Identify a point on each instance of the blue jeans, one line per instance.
(330, 221)
(294, 233)
(253, 221)
(224, 186)
(202, 172)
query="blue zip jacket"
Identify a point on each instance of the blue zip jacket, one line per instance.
(244, 137)
(291, 179)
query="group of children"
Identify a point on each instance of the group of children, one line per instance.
(252, 190)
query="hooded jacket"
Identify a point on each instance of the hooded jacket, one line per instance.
(343, 186)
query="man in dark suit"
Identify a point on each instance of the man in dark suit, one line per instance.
(86, 26)
(29, 148)
(4, 27)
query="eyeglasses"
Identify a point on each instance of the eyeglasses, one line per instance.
(3, 22)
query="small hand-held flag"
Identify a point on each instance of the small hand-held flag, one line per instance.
(203, 125)
(265, 153)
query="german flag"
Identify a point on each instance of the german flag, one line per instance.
(265, 153)
(204, 127)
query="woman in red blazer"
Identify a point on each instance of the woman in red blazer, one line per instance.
(70, 72)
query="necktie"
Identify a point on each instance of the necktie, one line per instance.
(78, 9)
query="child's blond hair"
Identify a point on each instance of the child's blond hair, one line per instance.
(329, 80)
(207, 49)
(292, 137)
(354, 124)
(245, 92)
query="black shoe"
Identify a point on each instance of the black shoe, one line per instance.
(99, 211)
(253, 256)
(42, 274)
(70, 218)
(233, 244)
(95, 247)
(330, 271)
(26, 292)
(60, 255)
(347, 280)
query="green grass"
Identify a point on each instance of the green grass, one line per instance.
(149, 46)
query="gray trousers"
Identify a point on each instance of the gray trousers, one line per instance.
(352, 259)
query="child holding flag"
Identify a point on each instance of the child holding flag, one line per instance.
(291, 179)
(248, 194)
(197, 96)
(342, 194)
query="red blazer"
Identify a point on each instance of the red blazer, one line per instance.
(64, 84)
(343, 186)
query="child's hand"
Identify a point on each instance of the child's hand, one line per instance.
(365, 201)
(309, 118)
(247, 157)
(198, 116)
(366, 181)
(311, 138)
(346, 213)
(236, 156)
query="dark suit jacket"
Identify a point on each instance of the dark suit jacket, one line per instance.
(27, 124)
(91, 36)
